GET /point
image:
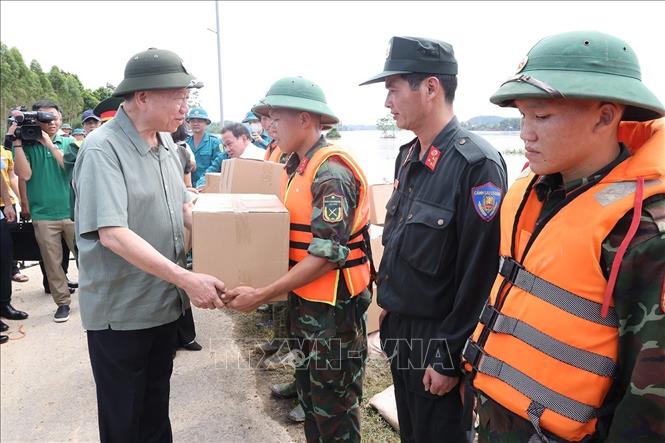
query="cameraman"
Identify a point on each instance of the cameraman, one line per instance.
(40, 163)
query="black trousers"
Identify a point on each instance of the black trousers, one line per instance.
(186, 328)
(132, 371)
(5, 263)
(423, 417)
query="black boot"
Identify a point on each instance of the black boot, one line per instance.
(7, 311)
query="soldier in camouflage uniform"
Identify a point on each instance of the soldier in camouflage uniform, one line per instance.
(602, 74)
(326, 320)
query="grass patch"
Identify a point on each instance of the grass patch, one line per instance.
(377, 378)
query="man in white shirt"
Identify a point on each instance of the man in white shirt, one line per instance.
(237, 142)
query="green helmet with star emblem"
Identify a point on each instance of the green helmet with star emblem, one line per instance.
(299, 94)
(155, 69)
(582, 65)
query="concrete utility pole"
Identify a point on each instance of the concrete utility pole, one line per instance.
(219, 63)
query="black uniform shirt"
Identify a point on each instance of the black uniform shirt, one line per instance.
(441, 234)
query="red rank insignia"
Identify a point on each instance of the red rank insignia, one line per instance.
(302, 165)
(433, 157)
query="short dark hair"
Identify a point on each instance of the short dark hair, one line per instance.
(448, 83)
(180, 134)
(237, 129)
(42, 104)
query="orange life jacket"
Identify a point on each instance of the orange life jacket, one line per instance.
(545, 347)
(297, 197)
(273, 153)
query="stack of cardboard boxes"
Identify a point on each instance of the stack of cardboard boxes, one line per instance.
(240, 231)
(378, 200)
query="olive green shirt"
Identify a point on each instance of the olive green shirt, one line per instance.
(120, 181)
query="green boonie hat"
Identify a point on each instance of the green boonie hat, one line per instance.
(408, 55)
(155, 69)
(299, 94)
(78, 131)
(582, 65)
(66, 126)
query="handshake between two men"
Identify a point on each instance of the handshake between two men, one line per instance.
(208, 292)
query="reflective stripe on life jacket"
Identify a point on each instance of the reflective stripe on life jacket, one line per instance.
(544, 347)
(297, 197)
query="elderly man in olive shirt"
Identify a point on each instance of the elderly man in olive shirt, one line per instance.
(131, 209)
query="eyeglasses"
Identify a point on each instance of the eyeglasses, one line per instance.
(181, 100)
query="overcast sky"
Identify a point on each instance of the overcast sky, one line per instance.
(335, 44)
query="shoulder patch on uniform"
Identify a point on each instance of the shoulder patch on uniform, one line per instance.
(487, 200)
(332, 208)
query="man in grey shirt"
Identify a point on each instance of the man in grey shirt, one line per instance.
(131, 210)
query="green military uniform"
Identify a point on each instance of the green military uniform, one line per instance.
(569, 65)
(330, 341)
(333, 339)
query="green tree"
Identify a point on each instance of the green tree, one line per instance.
(388, 125)
(22, 85)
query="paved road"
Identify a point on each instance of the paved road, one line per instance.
(47, 392)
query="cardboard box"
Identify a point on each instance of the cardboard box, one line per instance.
(248, 176)
(374, 310)
(242, 239)
(213, 183)
(188, 233)
(378, 199)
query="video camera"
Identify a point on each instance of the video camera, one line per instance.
(27, 123)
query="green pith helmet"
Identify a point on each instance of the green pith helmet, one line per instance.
(299, 94)
(582, 65)
(155, 69)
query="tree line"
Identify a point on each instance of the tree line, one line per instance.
(22, 85)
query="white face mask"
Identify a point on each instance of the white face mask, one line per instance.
(255, 127)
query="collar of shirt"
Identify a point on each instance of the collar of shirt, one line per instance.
(204, 141)
(440, 142)
(122, 119)
(548, 184)
(266, 138)
(294, 160)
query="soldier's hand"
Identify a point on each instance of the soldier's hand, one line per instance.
(438, 384)
(204, 291)
(244, 298)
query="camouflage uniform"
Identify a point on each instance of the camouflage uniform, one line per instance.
(635, 405)
(330, 341)
(279, 310)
